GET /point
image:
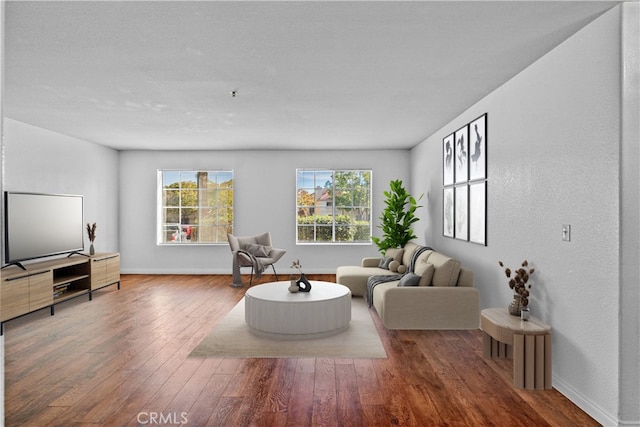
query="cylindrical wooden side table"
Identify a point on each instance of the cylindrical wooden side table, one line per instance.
(527, 342)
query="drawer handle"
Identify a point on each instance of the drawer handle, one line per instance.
(106, 258)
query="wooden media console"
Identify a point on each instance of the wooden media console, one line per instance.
(47, 283)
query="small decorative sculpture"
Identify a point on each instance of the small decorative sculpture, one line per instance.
(293, 287)
(303, 284)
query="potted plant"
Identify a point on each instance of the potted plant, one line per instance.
(397, 218)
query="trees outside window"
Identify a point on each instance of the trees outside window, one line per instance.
(333, 206)
(194, 206)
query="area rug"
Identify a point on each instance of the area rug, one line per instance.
(232, 338)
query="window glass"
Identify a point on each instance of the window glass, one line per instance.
(333, 206)
(194, 206)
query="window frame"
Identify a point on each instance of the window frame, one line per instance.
(163, 227)
(332, 204)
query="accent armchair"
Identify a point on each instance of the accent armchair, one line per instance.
(255, 252)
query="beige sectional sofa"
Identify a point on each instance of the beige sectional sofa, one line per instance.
(438, 294)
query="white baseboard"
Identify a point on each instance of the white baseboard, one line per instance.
(284, 272)
(596, 412)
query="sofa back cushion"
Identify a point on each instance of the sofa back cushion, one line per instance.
(394, 253)
(466, 278)
(426, 278)
(409, 250)
(446, 271)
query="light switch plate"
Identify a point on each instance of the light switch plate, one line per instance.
(566, 233)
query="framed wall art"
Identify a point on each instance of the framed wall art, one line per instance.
(478, 212)
(461, 207)
(464, 180)
(447, 159)
(447, 214)
(461, 153)
(478, 148)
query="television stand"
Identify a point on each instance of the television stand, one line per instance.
(47, 283)
(18, 264)
(78, 253)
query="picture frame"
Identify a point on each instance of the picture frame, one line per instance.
(448, 165)
(461, 153)
(478, 213)
(478, 148)
(448, 212)
(461, 207)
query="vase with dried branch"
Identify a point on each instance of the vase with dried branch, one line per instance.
(520, 285)
(91, 232)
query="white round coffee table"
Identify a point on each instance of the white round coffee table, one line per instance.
(272, 311)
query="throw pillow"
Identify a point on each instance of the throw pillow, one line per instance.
(258, 250)
(402, 269)
(396, 254)
(427, 276)
(393, 265)
(384, 262)
(408, 251)
(409, 279)
(447, 271)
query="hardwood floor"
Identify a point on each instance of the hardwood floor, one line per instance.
(121, 360)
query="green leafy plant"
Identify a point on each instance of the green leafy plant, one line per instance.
(397, 218)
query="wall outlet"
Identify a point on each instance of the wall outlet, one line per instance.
(566, 233)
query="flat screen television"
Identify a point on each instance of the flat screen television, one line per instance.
(41, 225)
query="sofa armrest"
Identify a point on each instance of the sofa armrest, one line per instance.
(428, 307)
(370, 262)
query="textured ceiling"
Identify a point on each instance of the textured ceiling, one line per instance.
(308, 75)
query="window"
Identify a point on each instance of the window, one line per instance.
(194, 206)
(333, 206)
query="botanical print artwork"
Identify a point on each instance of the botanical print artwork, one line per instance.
(447, 159)
(477, 212)
(478, 148)
(447, 214)
(464, 181)
(461, 153)
(462, 214)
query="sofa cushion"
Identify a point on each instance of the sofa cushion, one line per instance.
(409, 250)
(384, 262)
(422, 264)
(258, 250)
(409, 279)
(446, 269)
(355, 278)
(395, 253)
(426, 278)
(393, 266)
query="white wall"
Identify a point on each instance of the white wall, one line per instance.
(630, 219)
(2, 6)
(553, 158)
(41, 161)
(264, 201)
